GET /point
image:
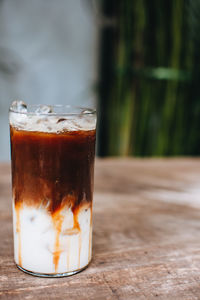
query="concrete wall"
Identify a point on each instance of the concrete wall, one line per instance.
(47, 55)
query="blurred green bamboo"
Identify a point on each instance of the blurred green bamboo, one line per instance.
(149, 95)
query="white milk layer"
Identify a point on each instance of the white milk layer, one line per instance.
(52, 123)
(40, 247)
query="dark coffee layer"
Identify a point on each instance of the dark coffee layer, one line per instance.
(52, 170)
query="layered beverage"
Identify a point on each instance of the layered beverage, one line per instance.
(52, 151)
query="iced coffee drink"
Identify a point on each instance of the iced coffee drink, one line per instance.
(52, 151)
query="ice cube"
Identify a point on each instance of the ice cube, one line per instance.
(18, 116)
(19, 106)
(61, 120)
(44, 109)
(75, 124)
(41, 120)
(86, 111)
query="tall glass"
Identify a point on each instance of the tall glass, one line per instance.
(52, 152)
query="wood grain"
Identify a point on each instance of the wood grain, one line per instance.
(146, 241)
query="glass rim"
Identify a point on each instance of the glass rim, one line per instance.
(81, 110)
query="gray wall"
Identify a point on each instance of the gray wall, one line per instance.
(47, 55)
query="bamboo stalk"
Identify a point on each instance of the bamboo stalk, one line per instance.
(143, 102)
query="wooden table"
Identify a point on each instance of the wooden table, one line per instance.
(146, 242)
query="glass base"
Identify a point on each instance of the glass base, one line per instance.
(56, 275)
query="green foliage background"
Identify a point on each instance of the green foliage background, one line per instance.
(149, 89)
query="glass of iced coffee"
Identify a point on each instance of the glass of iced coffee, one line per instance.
(52, 152)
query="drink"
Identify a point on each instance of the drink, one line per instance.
(52, 179)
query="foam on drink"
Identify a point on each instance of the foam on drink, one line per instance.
(52, 176)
